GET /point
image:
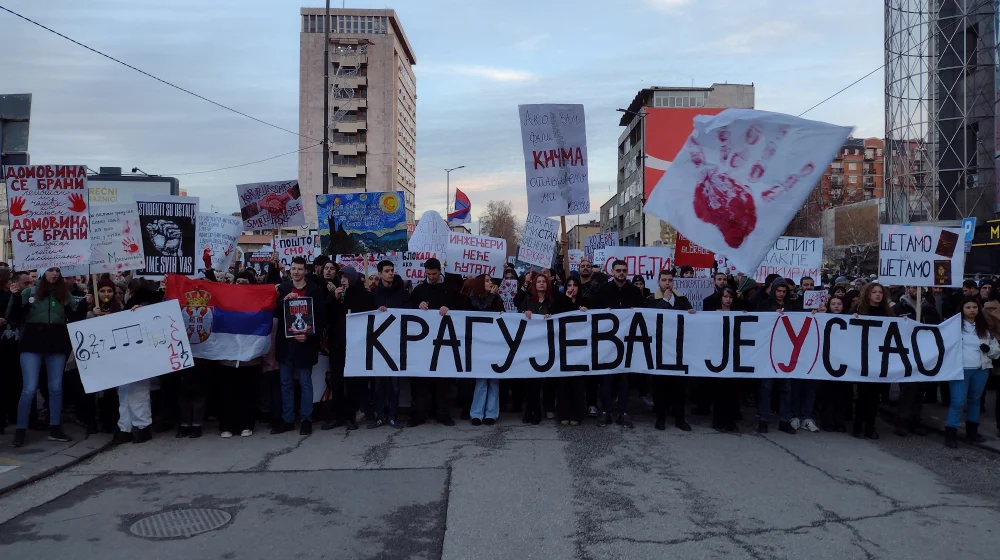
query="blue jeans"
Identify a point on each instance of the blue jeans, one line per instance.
(764, 400)
(968, 390)
(386, 388)
(288, 375)
(803, 398)
(31, 369)
(486, 399)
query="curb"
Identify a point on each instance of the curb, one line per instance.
(53, 470)
(889, 412)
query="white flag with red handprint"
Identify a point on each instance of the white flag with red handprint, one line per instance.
(741, 177)
(49, 215)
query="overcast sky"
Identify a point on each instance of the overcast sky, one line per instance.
(476, 61)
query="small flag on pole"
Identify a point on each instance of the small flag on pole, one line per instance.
(463, 210)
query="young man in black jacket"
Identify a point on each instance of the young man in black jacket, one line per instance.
(433, 293)
(664, 385)
(388, 294)
(911, 395)
(617, 294)
(297, 355)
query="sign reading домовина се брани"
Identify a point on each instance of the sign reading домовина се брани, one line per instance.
(720, 344)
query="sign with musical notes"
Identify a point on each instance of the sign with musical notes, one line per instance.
(299, 318)
(130, 346)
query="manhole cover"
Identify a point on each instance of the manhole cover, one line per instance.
(180, 523)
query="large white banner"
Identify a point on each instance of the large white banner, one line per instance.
(741, 177)
(49, 218)
(472, 255)
(823, 347)
(554, 138)
(792, 258)
(218, 237)
(130, 346)
(290, 247)
(538, 243)
(644, 261)
(921, 256)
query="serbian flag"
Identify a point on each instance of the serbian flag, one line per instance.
(463, 210)
(224, 321)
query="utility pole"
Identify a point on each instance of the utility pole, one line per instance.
(326, 101)
(447, 192)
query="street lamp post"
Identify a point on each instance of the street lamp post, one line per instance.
(326, 100)
(642, 173)
(447, 192)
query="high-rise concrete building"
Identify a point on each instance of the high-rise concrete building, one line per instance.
(373, 105)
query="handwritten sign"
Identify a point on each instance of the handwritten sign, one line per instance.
(290, 247)
(126, 347)
(49, 218)
(695, 289)
(813, 299)
(273, 205)
(431, 236)
(411, 266)
(538, 243)
(115, 241)
(168, 229)
(597, 241)
(299, 317)
(792, 258)
(554, 138)
(218, 235)
(472, 255)
(575, 256)
(508, 294)
(644, 261)
(367, 222)
(920, 256)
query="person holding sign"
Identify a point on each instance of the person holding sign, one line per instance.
(872, 302)
(979, 348)
(668, 391)
(618, 294)
(388, 294)
(539, 302)
(296, 356)
(486, 397)
(430, 393)
(911, 398)
(44, 311)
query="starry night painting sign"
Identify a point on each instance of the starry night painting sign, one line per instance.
(354, 223)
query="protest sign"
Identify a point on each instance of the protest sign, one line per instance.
(272, 205)
(825, 347)
(695, 289)
(224, 321)
(554, 138)
(538, 244)
(49, 218)
(644, 261)
(508, 293)
(472, 255)
(813, 299)
(741, 177)
(592, 243)
(430, 236)
(218, 235)
(299, 318)
(690, 254)
(258, 261)
(290, 247)
(575, 256)
(169, 240)
(357, 223)
(357, 262)
(115, 241)
(792, 258)
(411, 266)
(920, 256)
(121, 348)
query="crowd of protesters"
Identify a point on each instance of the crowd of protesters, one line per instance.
(38, 376)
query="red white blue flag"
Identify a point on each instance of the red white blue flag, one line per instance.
(463, 210)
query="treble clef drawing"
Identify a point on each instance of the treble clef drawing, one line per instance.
(82, 354)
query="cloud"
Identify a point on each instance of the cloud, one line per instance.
(475, 71)
(756, 38)
(666, 4)
(533, 42)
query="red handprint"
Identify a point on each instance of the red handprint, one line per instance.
(77, 203)
(720, 201)
(227, 251)
(130, 246)
(127, 228)
(17, 206)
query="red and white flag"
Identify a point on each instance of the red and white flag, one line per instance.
(741, 177)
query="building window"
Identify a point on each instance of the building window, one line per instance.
(852, 167)
(853, 179)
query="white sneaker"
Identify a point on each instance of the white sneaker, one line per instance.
(592, 411)
(227, 434)
(550, 415)
(246, 433)
(810, 425)
(795, 423)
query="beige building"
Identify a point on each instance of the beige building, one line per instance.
(373, 104)
(578, 233)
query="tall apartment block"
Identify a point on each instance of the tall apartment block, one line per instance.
(373, 105)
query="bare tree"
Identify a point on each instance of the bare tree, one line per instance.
(499, 221)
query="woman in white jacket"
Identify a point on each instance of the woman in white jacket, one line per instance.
(979, 348)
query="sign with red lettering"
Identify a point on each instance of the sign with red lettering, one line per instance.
(411, 266)
(290, 247)
(644, 261)
(271, 205)
(690, 254)
(299, 319)
(792, 258)
(49, 215)
(554, 138)
(472, 255)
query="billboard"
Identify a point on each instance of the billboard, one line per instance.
(103, 191)
(667, 128)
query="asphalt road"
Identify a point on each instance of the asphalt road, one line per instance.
(516, 491)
